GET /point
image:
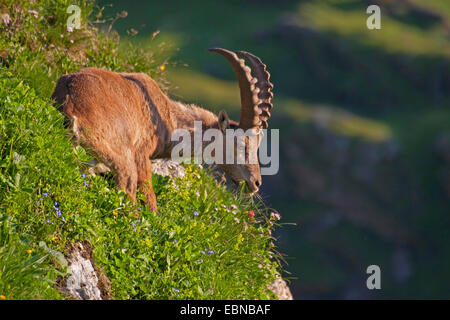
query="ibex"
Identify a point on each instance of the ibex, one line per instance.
(126, 120)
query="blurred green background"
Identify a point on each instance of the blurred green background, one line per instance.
(364, 118)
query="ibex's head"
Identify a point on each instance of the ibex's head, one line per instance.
(256, 98)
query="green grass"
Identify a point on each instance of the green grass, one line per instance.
(201, 244)
(394, 35)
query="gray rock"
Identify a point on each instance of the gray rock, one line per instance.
(281, 289)
(82, 283)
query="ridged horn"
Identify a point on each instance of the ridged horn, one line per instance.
(263, 84)
(250, 110)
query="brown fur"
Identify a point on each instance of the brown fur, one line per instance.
(126, 120)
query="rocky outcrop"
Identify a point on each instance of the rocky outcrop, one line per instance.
(84, 282)
(281, 289)
(167, 168)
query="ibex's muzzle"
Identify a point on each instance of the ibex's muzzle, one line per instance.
(253, 184)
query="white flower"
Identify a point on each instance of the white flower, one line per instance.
(275, 215)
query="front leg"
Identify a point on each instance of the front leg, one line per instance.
(144, 168)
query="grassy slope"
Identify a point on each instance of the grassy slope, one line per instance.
(46, 201)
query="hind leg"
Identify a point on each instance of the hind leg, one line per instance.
(125, 173)
(144, 181)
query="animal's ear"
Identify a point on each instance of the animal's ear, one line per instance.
(223, 120)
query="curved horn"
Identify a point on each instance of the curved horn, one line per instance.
(263, 84)
(250, 113)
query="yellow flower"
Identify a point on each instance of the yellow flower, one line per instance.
(54, 238)
(148, 242)
(29, 251)
(162, 68)
(2, 297)
(115, 213)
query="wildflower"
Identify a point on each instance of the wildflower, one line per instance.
(236, 220)
(251, 214)
(83, 175)
(34, 13)
(201, 260)
(29, 251)
(197, 194)
(85, 184)
(2, 297)
(162, 67)
(196, 213)
(216, 209)
(57, 211)
(176, 290)
(203, 252)
(175, 241)
(48, 221)
(45, 194)
(134, 226)
(210, 252)
(275, 215)
(69, 29)
(114, 213)
(233, 206)
(61, 36)
(63, 219)
(71, 41)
